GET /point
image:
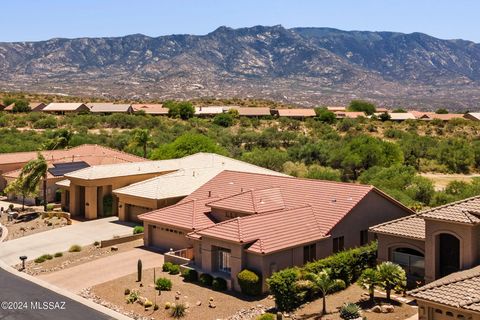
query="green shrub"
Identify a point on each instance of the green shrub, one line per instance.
(96, 243)
(349, 311)
(219, 284)
(206, 279)
(75, 248)
(50, 206)
(174, 269)
(178, 310)
(163, 284)
(58, 255)
(48, 256)
(40, 259)
(132, 296)
(267, 316)
(167, 266)
(190, 275)
(282, 285)
(138, 229)
(250, 282)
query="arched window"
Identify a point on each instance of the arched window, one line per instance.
(413, 261)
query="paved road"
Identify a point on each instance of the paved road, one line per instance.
(61, 239)
(15, 289)
(98, 271)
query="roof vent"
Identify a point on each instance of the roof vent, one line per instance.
(334, 200)
(209, 193)
(349, 198)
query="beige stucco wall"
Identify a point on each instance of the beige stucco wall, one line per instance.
(127, 201)
(469, 237)
(427, 311)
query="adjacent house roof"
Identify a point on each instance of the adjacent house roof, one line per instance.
(352, 115)
(336, 108)
(401, 116)
(9, 107)
(287, 203)
(209, 110)
(59, 107)
(444, 117)
(458, 290)
(463, 211)
(298, 113)
(252, 111)
(473, 116)
(37, 106)
(150, 108)
(109, 107)
(286, 229)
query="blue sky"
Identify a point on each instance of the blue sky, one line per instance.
(45, 19)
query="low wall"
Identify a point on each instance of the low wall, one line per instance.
(122, 239)
(175, 259)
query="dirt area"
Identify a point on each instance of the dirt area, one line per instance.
(227, 303)
(71, 259)
(359, 296)
(30, 223)
(441, 180)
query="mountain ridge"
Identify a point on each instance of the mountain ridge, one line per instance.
(304, 65)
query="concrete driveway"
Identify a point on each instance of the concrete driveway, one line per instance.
(56, 240)
(98, 271)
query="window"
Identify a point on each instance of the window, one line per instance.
(309, 253)
(223, 258)
(449, 314)
(363, 237)
(338, 244)
(231, 214)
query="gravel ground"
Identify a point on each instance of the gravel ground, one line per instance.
(70, 259)
(17, 228)
(228, 305)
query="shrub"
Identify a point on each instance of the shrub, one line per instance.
(138, 229)
(96, 243)
(178, 310)
(48, 256)
(167, 266)
(219, 284)
(58, 255)
(50, 206)
(224, 120)
(206, 279)
(132, 297)
(282, 286)
(349, 311)
(267, 316)
(75, 248)
(250, 282)
(190, 275)
(174, 269)
(40, 259)
(163, 284)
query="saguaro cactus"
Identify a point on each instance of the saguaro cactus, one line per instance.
(139, 270)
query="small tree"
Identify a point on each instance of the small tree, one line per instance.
(390, 275)
(384, 117)
(33, 173)
(368, 280)
(141, 138)
(325, 284)
(364, 106)
(441, 111)
(17, 187)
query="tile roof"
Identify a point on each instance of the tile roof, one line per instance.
(475, 115)
(349, 114)
(433, 115)
(60, 106)
(209, 110)
(338, 108)
(411, 226)
(252, 111)
(37, 106)
(287, 228)
(150, 108)
(9, 107)
(190, 214)
(296, 112)
(196, 161)
(109, 107)
(458, 290)
(398, 116)
(252, 201)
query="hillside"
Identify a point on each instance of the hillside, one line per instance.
(305, 66)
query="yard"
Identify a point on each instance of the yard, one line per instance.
(227, 303)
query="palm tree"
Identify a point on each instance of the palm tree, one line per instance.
(390, 275)
(369, 279)
(141, 138)
(34, 172)
(325, 284)
(17, 187)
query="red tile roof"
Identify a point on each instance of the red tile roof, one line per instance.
(252, 201)
(349, 114)
(252, 111)
(296, 112)
(150, 108)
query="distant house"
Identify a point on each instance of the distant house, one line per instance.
(382, 110)
(475, 116)
(348, 114)
(252, 111)
(109, 108)
(62, 107)
(427, 115)
(9, 108)
(209, 111)
(400, 116)
(338, 108)
(296, 113)
(37, 106)
(152, 109)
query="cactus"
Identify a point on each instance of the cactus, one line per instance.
(349, 311)
(139, 270)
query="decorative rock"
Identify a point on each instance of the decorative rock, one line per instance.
(178, 293)
(388, 308)
(177, 298)
(199, 303)
(114, 248)
(212, 305)
(211, 299)
(377, 309)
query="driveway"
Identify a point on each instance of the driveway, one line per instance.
(98, 271)
(57, 240)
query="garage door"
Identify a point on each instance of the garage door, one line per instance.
(166, 238)
(134, 211)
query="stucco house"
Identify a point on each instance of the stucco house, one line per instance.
(65, 107)
(266, 223)
(109, 108)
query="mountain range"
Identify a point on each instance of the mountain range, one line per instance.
(304, 66)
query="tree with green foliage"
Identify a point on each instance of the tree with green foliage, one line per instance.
(369, 279)
(325, 284)
(456, 154)
(399, 110)
(362, 106)
(270, 158)
(323, 173)
(325, 115)
(140, 138)
(21, 105)
(18, 187)
(187, 144)
(34, 173)
(441, 111)
(183, 110)
(390, 276)
(384, 117)
(224, 119)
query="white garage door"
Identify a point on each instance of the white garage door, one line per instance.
(166, 238)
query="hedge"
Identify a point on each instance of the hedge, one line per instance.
(206, 279)
(219, 284)
(250, 282)
(291, 287)
(190, 275)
